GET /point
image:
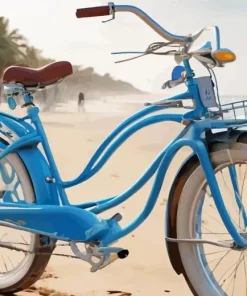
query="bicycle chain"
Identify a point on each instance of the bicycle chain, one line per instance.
(38, 250)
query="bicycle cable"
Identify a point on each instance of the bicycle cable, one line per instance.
(152, 48)
(212, 73)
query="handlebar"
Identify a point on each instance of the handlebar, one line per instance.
(112, 8)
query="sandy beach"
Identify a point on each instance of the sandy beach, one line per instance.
(207, 216)
(147, 271)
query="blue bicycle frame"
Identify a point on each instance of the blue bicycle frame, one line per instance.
(54, 216)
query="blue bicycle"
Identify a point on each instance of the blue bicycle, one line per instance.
(200, 216)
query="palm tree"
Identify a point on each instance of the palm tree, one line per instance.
(12, 45)
(34, 59)
(32, 56)
(14, 50)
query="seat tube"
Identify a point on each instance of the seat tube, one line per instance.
(33, 113)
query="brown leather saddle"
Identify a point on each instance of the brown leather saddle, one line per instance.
(39, 77)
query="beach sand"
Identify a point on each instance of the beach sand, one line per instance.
(147, 270)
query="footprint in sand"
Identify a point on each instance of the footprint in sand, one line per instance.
(115, 176)
(31, 289)
(120, 293)
(48, 275)
(46, 291)
(51, 292)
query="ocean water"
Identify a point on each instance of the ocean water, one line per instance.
(121, 105)
(128, 104)
(108, 105)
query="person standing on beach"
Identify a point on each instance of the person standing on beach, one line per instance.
(81, 101)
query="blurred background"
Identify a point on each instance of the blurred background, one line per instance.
(37, 33)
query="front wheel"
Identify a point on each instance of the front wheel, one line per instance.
(212, 270)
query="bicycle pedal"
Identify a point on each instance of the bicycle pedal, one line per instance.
(103, 263)
(109, 257)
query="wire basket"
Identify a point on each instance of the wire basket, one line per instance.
(234, 110)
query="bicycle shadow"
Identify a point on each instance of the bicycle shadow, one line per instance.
(48, 292)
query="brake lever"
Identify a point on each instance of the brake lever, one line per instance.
(172, 83)
(165, 103)
(111, 12)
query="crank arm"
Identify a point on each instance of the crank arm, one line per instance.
(105, 255)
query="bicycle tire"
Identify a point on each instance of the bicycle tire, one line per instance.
(187, 188)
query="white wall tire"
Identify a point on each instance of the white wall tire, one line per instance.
(199, 281)
(29, 270)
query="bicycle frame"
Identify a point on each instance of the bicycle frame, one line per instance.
(82, 222)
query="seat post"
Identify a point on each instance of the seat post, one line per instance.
(28, 100)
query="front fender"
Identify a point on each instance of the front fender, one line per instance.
(214, 142)
(171, 216)
(11, 129)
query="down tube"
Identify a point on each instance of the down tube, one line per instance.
(169, 154)
(148, 110)
(115, 201)
(132, 130)
(83, 176)
(117, 143)
(200, 149)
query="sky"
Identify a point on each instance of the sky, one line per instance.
(51, 25)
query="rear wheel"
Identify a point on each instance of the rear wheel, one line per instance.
(16, 186)
(212, 270)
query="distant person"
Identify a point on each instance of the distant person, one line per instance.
(81, 102)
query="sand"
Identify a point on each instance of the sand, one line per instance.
(147, 270)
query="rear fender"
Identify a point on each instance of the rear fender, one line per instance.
(11, 129)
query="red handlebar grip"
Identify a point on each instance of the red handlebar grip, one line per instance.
(92, 11)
